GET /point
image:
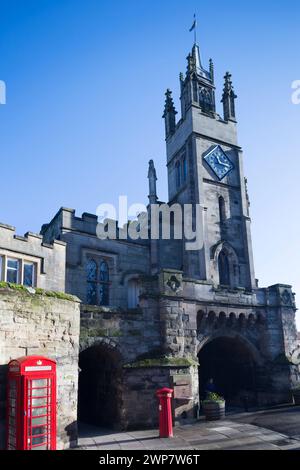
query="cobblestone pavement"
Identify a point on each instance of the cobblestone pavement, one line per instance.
(217, 435)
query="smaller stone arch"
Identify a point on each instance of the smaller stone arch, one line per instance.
(222, 319)
(201, 316)
(211, 318)
(232, 319)
(260, 319)
(242, 320)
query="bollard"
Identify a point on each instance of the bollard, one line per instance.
(165, 412)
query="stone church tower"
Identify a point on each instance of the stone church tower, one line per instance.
(205, 166)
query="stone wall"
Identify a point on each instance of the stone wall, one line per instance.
(141, 383)
(133, 332)
(44, 324)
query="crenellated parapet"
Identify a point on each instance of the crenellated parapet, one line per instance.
(45, 261)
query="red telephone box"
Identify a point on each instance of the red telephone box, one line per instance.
(31, 404)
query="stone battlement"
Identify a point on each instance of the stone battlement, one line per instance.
(49, 258)
(66, 221)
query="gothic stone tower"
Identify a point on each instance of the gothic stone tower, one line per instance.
(211, 309)
(205, 166)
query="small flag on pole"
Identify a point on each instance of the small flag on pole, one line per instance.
(194, 24)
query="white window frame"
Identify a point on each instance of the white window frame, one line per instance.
(12, 258)
(31, 263)
(1, 267)
(5, 255)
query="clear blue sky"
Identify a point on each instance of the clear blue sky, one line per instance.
(85, 91)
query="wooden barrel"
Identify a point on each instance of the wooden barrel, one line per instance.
(296, 395)
(214, 410)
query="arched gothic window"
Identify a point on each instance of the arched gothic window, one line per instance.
(97, 283)
(223, 265)
(222, 211)
(91, 276)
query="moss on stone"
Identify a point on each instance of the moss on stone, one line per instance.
(101, 309)
(36, 291)
(115, 333)
(163, 361)
(10, 285)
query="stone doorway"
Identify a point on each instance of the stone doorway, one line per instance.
(100, 386)
(230, 363)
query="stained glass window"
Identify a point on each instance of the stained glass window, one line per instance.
(91, 274)
(97, 283)
(91, 270)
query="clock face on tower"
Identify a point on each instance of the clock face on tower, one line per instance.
(219, 162)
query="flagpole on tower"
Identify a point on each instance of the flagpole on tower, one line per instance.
(194, 28)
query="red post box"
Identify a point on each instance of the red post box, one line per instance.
(165, 412)
(31, 404)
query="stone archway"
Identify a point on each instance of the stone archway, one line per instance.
(231, 362)
(100, 386)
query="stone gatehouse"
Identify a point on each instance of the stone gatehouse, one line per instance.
(152, 312)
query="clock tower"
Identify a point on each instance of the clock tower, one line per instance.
(205, 167)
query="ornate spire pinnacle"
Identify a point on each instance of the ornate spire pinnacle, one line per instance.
(169, 114)
(152, 183)
(212, 70)
(228, 98)
(169, 103)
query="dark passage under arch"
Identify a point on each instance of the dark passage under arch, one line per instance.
(230, 363)
(100, 385)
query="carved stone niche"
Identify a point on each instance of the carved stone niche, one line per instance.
(171, 282)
